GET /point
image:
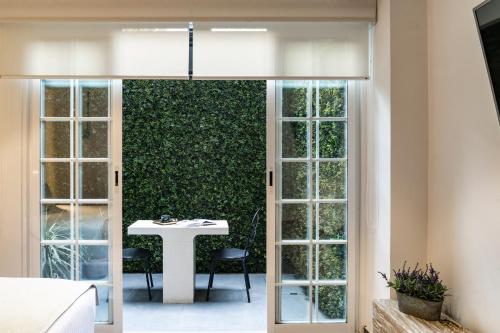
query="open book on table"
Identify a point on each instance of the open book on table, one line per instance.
(198, 222)
(188, 223)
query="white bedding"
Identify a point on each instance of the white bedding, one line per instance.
(29, 305)
(79, 318)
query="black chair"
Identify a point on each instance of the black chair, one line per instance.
(143, 255)
(232, 254)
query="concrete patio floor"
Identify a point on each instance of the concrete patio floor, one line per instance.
(227, 310)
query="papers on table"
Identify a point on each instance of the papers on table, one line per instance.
(189, 223)
(197, 222)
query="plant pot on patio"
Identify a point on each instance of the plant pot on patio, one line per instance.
(419, 308)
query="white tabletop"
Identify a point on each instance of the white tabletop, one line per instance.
(192, 227)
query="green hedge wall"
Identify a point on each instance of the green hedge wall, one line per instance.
(195, 149)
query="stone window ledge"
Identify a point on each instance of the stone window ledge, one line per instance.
(388, 319)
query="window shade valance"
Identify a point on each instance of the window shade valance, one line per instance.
(190, 10)
(161, 50)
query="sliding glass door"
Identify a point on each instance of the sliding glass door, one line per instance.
(77, 186)
(314, 202)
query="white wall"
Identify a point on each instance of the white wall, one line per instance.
(409, 132)
(375, 192)
(13, 103)
(394, 194)
(464, 167)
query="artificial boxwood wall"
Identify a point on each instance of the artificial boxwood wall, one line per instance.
(195, 149)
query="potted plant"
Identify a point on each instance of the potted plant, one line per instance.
(420, 292)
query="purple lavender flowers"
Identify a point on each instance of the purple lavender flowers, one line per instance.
(417, 282)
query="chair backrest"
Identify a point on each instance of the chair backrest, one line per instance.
(253, 231)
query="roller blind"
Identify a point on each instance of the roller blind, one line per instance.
(94, 49)
(281, 50)
(221, 50)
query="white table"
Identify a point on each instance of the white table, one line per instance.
(179, 264)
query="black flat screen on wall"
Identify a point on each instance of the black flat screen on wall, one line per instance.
(488, 23)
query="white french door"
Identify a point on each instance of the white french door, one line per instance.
(312, 197)
(77, 206)
(312, 205)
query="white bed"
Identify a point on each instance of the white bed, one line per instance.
(79, 318)
(29, 305)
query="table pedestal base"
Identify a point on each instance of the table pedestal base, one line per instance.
(179, 270)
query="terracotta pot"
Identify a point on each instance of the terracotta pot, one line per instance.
(419, 308)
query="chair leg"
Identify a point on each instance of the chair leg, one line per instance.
(247, 276)
(147, 269)
(247, 280)
(211, 278)
(212, 274)
(151, 279)
(149, 287)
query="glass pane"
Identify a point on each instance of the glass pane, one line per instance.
(332, 98)
(93, 221)
(56, 222)
(332, 180)
(294, 99)
(56, 139)
(94, 139)
(331, 303)
(57, 99)
(56, 261)
(314, 179)
(294, 221)
(332, 262)
(294, 180)
(76, 261)
(294, 262)
(103, 309)
(94, 99)
(332, 221)
(294, 139)
(94, 180)
(294, 304)
(332, 139)
(93, 262)
(56, 180)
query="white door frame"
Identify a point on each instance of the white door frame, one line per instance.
(115, 229)
(33, 178)
(354, 106)
(116, 204)
(270, 204)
